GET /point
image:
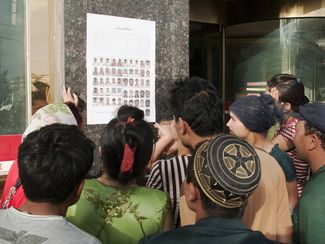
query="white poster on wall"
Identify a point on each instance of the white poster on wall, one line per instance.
(120, 66)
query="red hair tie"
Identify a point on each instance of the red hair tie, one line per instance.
(128, 159)
(130, 120)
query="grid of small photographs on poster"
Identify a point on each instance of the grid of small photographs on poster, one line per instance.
(118, 81)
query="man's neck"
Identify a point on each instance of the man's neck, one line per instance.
(44, 208)
(182, 150)
(200, 215)
(198, 139)
(258, 140)
(317, 160)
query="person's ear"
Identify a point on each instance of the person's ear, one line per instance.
(313, 142)
(183, 125)
(191, 192)
(77, 192)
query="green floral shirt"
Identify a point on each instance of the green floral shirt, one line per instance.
(120, 214)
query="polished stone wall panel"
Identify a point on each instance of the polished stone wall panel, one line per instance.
(172, 61)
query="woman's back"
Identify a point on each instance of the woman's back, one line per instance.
(113, 207)
(120, 214)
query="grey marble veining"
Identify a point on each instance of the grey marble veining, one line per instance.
(172, 45)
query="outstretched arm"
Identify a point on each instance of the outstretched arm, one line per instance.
(165, 139)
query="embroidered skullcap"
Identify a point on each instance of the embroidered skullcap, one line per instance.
(227, 170)
(257, 113)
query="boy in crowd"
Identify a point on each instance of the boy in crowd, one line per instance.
(197, 111)
(53, 163)
(221, 175)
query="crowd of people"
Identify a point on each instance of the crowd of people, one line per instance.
(261, 181)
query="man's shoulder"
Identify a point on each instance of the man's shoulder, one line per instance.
(166, 170)
(78, 235)
(314, 189)
(199, 234)
(177, 235)
(272, 181)
(176, 163)
(269, 164)
(45, 228)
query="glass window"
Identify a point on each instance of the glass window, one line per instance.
(12, 67)
(39, 33)
(205, 52)
(257, 51)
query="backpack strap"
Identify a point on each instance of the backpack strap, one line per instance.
(11, 194)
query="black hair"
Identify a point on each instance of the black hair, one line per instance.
(211, 208)
(291, 90)
(309, 129)
(76, 113)
(139, 136)
(52, 162)
(126, 111)
(196, 101)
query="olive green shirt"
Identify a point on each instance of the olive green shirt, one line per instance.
(309, 216)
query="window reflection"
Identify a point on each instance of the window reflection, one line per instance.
(256, 51)
(205, 52)
(40, 94)
(12, 67)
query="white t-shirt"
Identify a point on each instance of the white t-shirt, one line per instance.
(20, 227)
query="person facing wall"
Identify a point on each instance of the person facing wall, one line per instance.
(63, 113)
(288, 91)
(113, 207)
(310, 145)
(250, 118)
(268, 208)
(216, 189)
(197, 111)
(53, 163)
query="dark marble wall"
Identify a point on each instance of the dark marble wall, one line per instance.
(172, 44)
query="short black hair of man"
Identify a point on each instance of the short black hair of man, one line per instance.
(196, 101)
(52, 162)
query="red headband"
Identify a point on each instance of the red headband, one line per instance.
(128, 159)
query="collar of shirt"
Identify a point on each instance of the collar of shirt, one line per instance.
(319, 171)
(222, 223)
